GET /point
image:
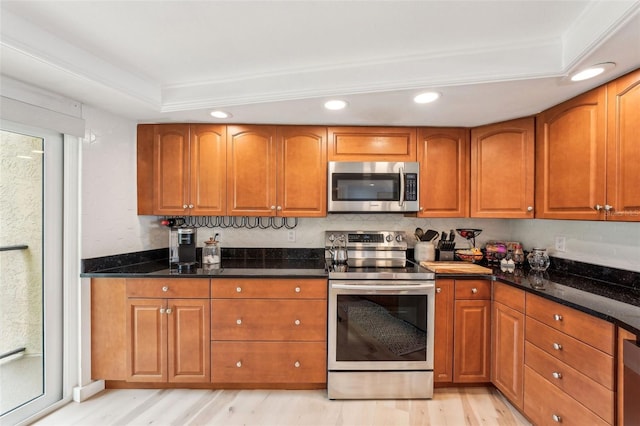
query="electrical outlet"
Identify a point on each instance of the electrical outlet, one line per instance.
(561, 244)
(291, 236)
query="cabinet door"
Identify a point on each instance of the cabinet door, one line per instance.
(507, 343)
(147, 341)
(622, 336)
(570, 158)
(189, 340)
(208, 170)
(471, 341)
(108, 329)
(302, 171)
(251, 171)
(372, 144)
(443, 336)
(623, 148)
(443, 154)
(171, 169)
(502, 169)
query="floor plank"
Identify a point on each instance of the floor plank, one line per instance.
(449, 406)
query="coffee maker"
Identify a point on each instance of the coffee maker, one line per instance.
(182, 249)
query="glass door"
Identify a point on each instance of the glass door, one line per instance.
(31, 291)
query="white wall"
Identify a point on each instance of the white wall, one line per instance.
(110, 224)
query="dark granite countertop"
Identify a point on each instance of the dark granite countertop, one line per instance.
(610, 294)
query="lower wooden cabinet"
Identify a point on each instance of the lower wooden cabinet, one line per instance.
(443, 335)
(622, 336)
(507, 342)
(108, 329)
(472, 330)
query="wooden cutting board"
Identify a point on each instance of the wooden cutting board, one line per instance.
(456, 268)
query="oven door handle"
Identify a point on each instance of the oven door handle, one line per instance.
(396, 287)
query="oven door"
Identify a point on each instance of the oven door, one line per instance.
(380, 325)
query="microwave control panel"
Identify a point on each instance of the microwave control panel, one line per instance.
(411, 187)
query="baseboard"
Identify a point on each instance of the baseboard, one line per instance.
(82, 393)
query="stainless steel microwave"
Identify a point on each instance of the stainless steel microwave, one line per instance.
(373, 187)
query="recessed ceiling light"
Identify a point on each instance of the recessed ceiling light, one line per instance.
(220, 114)
(426, 97)
(592, 71)
(335, 104)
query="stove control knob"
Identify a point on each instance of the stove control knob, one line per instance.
(389, 238)
(399, 238)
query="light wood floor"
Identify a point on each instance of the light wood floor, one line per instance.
(452, 407)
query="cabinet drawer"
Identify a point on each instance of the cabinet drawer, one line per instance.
(168, 288)
(371, 144)
(268, 362)
(263, 319)
(577, 385)
(584, 358)
(473, 289)
(594, 331)
(509, 296)
(544, 401)
(269, 288)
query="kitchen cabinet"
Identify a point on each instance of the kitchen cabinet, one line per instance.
(622, 336)
(571, 158)
(443, 154)
(507, 342)
(167, 329)
(569, 365)
(623, 150)
(270, 332)
(372, 144)
(502, 169)
(472, 330)
(108, 329)
(443, 334)
(182, 169)
(277, 171)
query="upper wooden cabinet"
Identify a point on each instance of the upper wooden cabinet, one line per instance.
(443, 154)
(182, 169)
(623, 148)
(502, 169)
(372, 144)
(276, 171)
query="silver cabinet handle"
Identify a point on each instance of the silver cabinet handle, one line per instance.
(297, 322)
(608, 208)
(238, 289)
(297, 364)
(273, 207)
(279, 208)
(556, 418)
(530, 208)
(297, 289)
(184, 206)
(239, 321)
(556, 375)
(162, 310)
(474, 290)
(165, 288)
(557, 346)
(190, 206)
(597, 207)
(438, 290)
(557, 317)
(239, 364)
(169, 311)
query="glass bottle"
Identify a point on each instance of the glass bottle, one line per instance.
(211, 254)
(538, 259)
(518, 255)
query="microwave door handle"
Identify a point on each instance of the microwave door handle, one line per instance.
(402, 183)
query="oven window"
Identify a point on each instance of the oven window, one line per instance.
(366, 187)
(381, 328)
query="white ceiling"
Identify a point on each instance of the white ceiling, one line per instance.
(277, 62)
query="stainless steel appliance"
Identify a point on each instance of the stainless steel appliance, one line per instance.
(373, 187)
(381, 319)
(182, 248)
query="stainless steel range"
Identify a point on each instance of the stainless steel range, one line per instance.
(381, 314)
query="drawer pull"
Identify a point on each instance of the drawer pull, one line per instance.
(162, 310)
(239, 321)
(169, 311)
(297, 289)
(239, 364)
(297, 322)
(556, 418)
(474, 290)
(438, 290)
(297, 364)
(556, 375)
(165, 288)
(557, 346)
(557, 317)
(238, 289)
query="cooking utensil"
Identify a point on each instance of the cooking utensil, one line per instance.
(430, 235)
(452, 235)
(419, 233)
